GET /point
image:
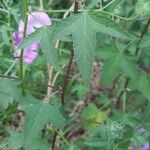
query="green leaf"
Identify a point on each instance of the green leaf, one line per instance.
(116, 62)
(142, 8)
(106, 51)
(92, 116)
(44, 35)
(5, 30)
(145, 42)
(128, 65)
(93, 3)
(101, 23)
(39, 114)
(142, 83)
(83, 28)
(96, 142)
(110, 70)
(16, 141)
(23, 8)
(8, 92)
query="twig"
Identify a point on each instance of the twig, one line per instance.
(144, 31)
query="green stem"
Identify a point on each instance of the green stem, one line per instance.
(109, 4)
(10, 68)
(5, 4)
(128, 44)
(4, 11)
(41, 4)
(24, 34)
(62, 136)
(5, 23)
(95, 10)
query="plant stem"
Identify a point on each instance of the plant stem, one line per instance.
(21, 55)
(6, 73)
(4, 11)
(124, 102)
(54, 140)
(95, 10)
(75, 5)
(66, 77)
(142, 35)
(62, 136)
(122, 92)
(5, 4)
(144, 31)
(109, 4)
(25, 80)
(41, 4)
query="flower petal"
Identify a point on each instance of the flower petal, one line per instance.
(17, 38)
(145, 146)
(31, 53)
(134, 147)
(35, 20)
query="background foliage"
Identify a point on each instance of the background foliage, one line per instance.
(89, 87)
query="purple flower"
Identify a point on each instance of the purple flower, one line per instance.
(134, 147)
(35, 20)
(145, 146)
(140, 130)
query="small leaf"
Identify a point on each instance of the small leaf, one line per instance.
(8, 92)
(142, 83)
(96, 142)
(92, 116)
(145, 42)
(16, 141)
(110, 70)
(39, 114)
(116, 63)
(128, 65)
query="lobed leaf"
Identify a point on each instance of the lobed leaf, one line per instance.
(83, 28)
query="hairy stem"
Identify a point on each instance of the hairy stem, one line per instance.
(75, 5)
(66, 77)
(21, 55)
